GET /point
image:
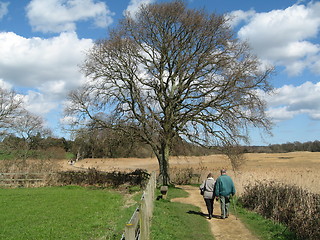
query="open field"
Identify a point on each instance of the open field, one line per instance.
(68, 212)
(296, 168)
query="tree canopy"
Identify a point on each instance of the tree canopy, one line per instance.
(170, 71)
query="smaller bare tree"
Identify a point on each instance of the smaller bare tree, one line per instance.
(27, 127)
(10, 107)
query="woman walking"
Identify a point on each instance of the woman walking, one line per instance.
(207, 187)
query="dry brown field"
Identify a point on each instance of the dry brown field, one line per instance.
(297, 168)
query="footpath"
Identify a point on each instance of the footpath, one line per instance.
(230, 228)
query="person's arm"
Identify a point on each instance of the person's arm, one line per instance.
(202, 185)
(217, 188)
(233, 189)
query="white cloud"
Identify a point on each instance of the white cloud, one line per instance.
(284, 36)
(316, 66)
(38, 103)
(134, 6)
(280, 114)
(238, 16)
(289, 101)
(48, 66)
(33, 62)
(61, 15)
(68, 120)
(5, 85)
(3, 9)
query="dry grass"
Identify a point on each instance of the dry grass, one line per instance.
(301, 169)
(28, 169)
(298, 168)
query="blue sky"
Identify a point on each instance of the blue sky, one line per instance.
(42, 44)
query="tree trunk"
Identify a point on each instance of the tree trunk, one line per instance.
(163, 159)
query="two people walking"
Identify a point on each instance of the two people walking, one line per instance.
(221, 189)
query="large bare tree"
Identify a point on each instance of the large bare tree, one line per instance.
(170, 71)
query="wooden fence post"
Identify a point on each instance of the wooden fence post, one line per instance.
(144, 222)
(130, 231)
(143, 214)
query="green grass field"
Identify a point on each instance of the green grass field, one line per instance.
(266, 229)
(74, 212)
(171, 222)
(69, 212)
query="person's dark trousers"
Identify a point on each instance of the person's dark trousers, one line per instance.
(209, 204)
(224, 204)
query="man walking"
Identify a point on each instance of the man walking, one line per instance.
(224, 189)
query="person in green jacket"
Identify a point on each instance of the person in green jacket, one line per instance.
(224, 189)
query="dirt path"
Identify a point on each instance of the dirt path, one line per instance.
(226, 229)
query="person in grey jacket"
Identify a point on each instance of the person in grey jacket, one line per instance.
(208, 196)
(224, 189)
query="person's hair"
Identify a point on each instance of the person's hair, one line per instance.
(209, 175)
(223, 171)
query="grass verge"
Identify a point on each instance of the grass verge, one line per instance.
(265, 229)
(69, 212)
(172, 220)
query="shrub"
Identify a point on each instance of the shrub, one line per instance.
(95, 177)
(296, 208)
(181, 176)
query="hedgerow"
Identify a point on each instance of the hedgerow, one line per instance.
(293, 206)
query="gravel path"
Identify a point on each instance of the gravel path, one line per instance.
(223, 229)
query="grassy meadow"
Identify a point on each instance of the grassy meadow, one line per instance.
(69, 212)
(170, 220)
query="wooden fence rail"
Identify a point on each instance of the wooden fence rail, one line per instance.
(138, 226)
(21, 178)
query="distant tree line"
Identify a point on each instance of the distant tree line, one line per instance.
(35, 147)
(310, 146)
(105, 143)
(100, 143)
(88, 143)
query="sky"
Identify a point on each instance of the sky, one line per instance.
(42, 44)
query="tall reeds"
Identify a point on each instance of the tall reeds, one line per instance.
(293, 206)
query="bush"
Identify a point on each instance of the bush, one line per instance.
(181, 176)
(296, 208)
(95, 177)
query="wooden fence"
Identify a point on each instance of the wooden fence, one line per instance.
(138, 226)
(22, 179)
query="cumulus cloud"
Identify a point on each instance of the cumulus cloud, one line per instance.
(285, 36)
(50, 67)
(239, 16)
(67, 120)
(61, 15)
(38, 103)
(5, 85)
(31, 62)
(3, 9)
(289, 101)
(134, 6)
